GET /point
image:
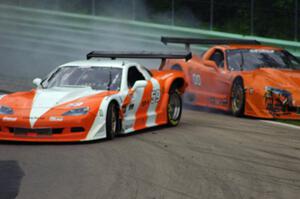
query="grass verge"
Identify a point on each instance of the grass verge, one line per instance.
(293, 122)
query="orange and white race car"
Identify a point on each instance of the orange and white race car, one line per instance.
(94, 99)
(241, 76)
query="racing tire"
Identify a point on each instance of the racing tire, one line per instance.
(112, 121)
(174, 108)
(237, 98)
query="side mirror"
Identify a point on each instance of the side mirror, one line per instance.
(210, 63)
(37, 82)
(139, 84)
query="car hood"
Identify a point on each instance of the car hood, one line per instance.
(46, 98)
(36, 103)
(283, 79)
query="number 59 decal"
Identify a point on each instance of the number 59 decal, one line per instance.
(155, 96)
(196, 78)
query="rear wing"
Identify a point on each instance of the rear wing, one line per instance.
(139, 55)
(190, 41)
(2, 92)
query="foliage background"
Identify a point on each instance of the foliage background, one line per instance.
(271, 18)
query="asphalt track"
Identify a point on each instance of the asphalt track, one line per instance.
(209, 155)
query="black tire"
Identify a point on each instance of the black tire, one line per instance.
(174, 108)
(112, 121)
(238, 98)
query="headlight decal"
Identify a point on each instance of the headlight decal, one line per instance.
(76, 104)
(5, 110)
(77, 112)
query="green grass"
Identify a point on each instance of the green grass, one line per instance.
(293, 122)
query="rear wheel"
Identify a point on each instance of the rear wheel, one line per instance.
(112, 121)
(174, 108)
(238, 98)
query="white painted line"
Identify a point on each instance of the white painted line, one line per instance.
(281, 124)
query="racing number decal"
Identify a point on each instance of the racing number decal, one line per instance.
(196, 78)
(155, 96)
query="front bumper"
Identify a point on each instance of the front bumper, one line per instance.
(265, 114)
(271, 106)
(70, 129)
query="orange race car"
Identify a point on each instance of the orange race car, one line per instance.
(94, 99)
(241, 76)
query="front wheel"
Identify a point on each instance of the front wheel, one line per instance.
(174, 108)
(238, 98)
(111, 121)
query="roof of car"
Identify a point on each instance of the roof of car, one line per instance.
(100, 63)
(260, 47)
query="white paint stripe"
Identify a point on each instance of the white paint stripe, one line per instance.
(98, 127)
(281, 124)
(1, 96)
(151, 113)
(130, 116)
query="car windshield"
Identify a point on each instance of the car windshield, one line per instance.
(251, 59)
(98, 78)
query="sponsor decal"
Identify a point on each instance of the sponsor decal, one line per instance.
(101, 113)
(216, 101)
(56, 119)
(131, 106)
(76, 104)
(145, 103)
(33, 118)
(9, 119)
(261, 51)
(251, 91)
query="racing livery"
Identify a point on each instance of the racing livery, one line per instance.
(94, 99)
(241, 76)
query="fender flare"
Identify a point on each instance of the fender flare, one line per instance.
(179, 80)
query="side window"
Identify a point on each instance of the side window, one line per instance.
(218, 57)
(134, 75)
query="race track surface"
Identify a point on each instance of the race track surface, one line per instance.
(209, 155)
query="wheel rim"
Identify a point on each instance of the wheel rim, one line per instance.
(174, 107)
(237, 98)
